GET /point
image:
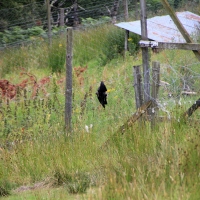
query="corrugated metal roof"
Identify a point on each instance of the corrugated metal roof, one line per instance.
(163, 29)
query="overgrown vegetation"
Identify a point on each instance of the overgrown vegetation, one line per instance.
(140, 164)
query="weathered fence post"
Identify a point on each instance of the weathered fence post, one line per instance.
(136, 9)
(154, 92)
(138, 86)
(49, 20)
(62, 16)
(68, 89)
(145, 53)
(126, 10)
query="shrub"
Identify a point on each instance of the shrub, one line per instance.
(114, 45)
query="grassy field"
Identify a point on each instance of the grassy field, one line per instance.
(38, 160)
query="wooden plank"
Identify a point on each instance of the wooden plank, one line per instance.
(184, 46)
(180, 27)
(169, 45)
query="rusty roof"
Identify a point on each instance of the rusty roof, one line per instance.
(163, 29)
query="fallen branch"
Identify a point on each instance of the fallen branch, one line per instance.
(130, 121)
(135, 116)
(194, 107)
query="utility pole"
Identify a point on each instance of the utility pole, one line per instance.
(145, 55)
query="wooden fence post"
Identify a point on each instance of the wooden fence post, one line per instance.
(136, 9)
(49, 20)
(62, 16)
(154, 92)
(126, 10)
(126, 48)
(138, 86)
(68, 89)
(145, 53)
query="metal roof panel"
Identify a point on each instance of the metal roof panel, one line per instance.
(163, 29)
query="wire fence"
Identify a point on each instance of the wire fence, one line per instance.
(22, 24)
(178, 87)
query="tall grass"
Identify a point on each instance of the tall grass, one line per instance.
(101, 164)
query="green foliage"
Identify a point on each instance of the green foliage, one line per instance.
(17, 35)
(114, 44)
(88, 22)
(154, 5)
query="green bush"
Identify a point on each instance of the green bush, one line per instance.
(114, 44)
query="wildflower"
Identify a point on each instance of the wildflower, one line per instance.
(110, 90)
(130, 39)
(88, 128)
(60, 45)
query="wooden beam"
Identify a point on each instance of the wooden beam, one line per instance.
(180, 27)
(145, 53)
(169, 45)
(184, 46)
